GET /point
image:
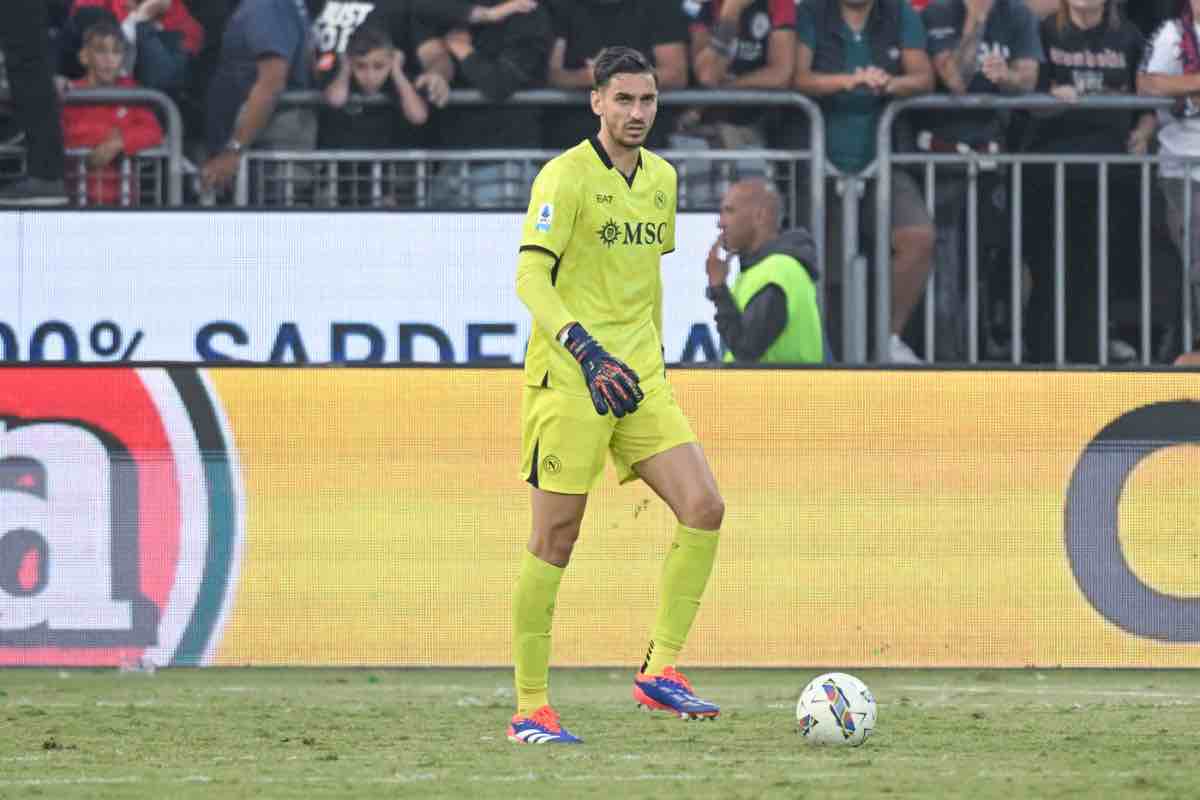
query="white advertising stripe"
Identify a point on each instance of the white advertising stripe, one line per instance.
(307, 287)
(10, 266)
(193, 515)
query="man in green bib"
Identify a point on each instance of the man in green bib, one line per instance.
(770, 316)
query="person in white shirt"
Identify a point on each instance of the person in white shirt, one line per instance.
(1171, 68)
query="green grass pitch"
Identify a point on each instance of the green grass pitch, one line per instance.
(301, 733)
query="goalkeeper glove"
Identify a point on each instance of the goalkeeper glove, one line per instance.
(612, 384)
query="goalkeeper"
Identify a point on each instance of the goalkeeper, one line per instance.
(601, 217)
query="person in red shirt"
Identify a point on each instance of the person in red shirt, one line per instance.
(111, 131)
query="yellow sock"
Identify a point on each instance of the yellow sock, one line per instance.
(533, 613)
(684, 576)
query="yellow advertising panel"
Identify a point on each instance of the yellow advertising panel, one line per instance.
(373, 516)
(914, 518)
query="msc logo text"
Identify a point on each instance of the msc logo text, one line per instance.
(631, 233)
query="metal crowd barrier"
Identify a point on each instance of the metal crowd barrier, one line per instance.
(435, 179)
(415, 170)
(973, 162)
(138, 181)
(165, 164)
(783, 166)
(173, 128)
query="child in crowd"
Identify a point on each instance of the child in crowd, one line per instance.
(372, 66)
(111, 131)
(162, 38)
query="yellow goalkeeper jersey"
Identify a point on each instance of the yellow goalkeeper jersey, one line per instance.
(607, 236)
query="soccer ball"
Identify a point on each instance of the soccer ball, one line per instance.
(836, 708)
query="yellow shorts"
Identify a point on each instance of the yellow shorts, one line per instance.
(564, 440)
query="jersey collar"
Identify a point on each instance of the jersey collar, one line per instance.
(602, 154)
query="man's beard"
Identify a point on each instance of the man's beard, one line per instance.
(630, 140)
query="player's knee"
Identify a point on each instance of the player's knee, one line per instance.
(706, 512)
(555, 541)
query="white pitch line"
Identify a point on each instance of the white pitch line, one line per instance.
(191, 779)
(418, 777)
(85, 781)
(1045, 690)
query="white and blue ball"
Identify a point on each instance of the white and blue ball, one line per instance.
(836, 708)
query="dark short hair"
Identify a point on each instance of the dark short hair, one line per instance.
(620, 60)
(367, 38)
(104, 29)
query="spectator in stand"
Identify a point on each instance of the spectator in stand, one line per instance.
(744, 44)
(266, 49)
(414, 43)
(112, 132)
(371, 67)
(1172, 69)
(68, 42)
(1090, 49)
(977, 47)
(854, 56)
(163, 38)
(24, 38)
(582, 28)
(415, 25)
(981, 47)
(497, 59)
(738, 44)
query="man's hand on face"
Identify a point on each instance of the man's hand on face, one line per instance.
(716, 267)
